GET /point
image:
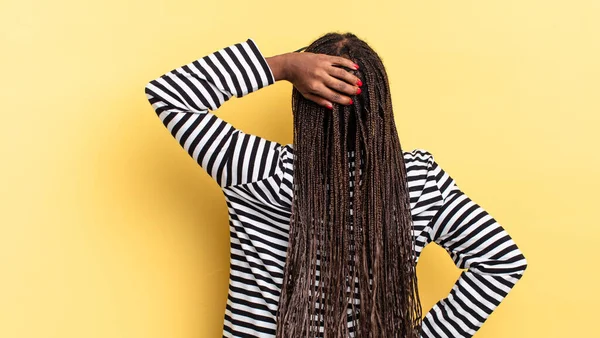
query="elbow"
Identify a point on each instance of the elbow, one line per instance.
(147, 90)
(516, 260)
(511, 264)
(150, 94)
(523, 264)
(519, 263)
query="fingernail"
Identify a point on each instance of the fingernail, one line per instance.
(358, 91)
(350, 101)
(355, 66)
(329, 106)
(359, 83)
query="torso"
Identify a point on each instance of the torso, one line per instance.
(259, 216)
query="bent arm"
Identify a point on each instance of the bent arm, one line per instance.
(184, 97)
(478, 243)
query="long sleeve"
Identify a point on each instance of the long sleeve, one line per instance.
(184, 97)
(478, 243)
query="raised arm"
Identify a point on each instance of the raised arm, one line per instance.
(478, 243)
(183, 97)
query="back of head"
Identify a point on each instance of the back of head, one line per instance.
(375, 102)
(350, 262)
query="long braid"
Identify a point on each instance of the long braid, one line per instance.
(351, 255)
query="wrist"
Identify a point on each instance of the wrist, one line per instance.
(279, 66)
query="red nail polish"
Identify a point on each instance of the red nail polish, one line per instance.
(358, 91)
(330, 106)
(359, 83)
(356, 66)
(351, 101)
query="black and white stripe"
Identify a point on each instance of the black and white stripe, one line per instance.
(256, 177)
(183, 97)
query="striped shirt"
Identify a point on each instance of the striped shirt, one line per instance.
(256, 177)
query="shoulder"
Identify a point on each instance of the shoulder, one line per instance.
(418, 162)
(417, 156)
(425, 173)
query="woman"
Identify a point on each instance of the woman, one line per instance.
(313, 254)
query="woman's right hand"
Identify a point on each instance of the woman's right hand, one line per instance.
(318, 77)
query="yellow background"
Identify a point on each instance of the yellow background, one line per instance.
(109, 229)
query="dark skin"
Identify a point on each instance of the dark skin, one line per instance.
(320, 78)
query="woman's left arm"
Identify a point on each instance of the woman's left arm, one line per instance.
(478, 243)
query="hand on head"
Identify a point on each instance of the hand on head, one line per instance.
(322, 78)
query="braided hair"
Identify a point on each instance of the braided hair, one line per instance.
(351, 262)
